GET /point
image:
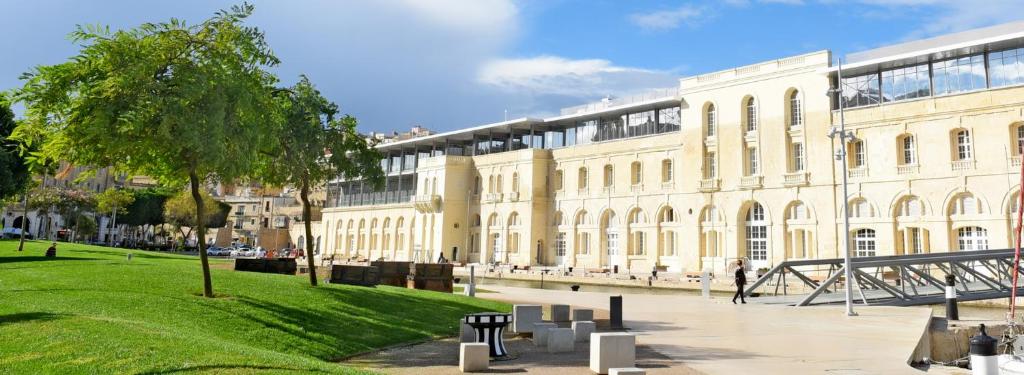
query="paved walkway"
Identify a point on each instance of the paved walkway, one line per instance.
(717, 337)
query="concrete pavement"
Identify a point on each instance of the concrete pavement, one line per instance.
(716, 337)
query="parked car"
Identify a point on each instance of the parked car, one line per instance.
(15, 233)
(216, 251)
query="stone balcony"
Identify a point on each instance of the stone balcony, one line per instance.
(962, 165)
(795, 179)
(636, 188)
(710, 184)
(751, 182)
(493, 197)
(513, 196)
(859, 172)
(427, 203)
(1014, 161)
(907, 169)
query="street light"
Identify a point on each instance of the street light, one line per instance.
(844, 137)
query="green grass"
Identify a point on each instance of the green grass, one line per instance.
(92, 311)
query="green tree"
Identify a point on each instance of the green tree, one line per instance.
(114, 201)
(180, 212)
(85, 226)
(313, 147)
(177, 102)
(14, 174)
(44, 201)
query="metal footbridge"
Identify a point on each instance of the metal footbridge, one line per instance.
(901, 280)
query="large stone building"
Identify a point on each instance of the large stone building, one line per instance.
(731, 164)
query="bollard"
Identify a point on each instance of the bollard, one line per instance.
(615, 312)
(129, 257)
(984, 360)
(951, 310)
(575, 288)
(705, 284)
(471, 287)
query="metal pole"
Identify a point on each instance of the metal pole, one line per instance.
(846, 194)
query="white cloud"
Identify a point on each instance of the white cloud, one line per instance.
(553, 75)
(469, 16)
(668, 19)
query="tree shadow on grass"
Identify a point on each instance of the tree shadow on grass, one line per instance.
(214, 368)
(35, 316)
(36, 258)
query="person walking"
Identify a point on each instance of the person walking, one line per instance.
(741, 280)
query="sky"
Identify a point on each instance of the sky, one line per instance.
(451, 64)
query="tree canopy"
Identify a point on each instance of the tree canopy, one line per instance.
(147, 207)
(313, 146)
(14, 173)
(170, 100)
(112, 200)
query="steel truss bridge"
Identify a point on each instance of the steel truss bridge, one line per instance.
(901, 280)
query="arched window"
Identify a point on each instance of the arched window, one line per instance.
(362, 235)
(400, 234)
(972, 238)
(492, 221)
(860, 207)
(908, 146)
(513, 232)
(433, 186)
(386, 245)
(558, 180)
(477, 185)
(582, 235)
(490, 184)
(476, 220)
(799, 231)
(581, 179)
(609, 176)
(910, 207)
(711, 227)
(962, 139)
(557, 220)
(751, 111)
(864, 243)
(515, 182)
(667, 232)
(710, 120)
(965, 204)
(796, 117)
(756, 233)
(373, 234)
(666, 170)
(499, 185)
(611, 234)
(636, 173)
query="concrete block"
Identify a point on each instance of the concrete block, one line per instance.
(584, 315)
(626, 371)
(524, 317)
(540, 333)
(466, 333)
(582, 330)
(560, 340)
(612, 350)
(474, 356)
(559, 313)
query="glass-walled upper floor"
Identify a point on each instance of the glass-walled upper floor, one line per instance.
(935, 78)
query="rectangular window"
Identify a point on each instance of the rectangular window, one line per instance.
(710, 165)
(757, 242)
(670, 243)
(909, 150)
(640, 124)
(905, 83)
(711, 123)
(795, 107)
(963, 145)
(798, 157)
(584, 243)
(916, 241)
(612, 242)
(560, 244)
(958, 75)
(668, 120)
(752, 165)
(858, 154)
(641, 243)
(1006, 68)
(860, 91)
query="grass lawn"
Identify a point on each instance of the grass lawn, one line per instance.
(92, 311)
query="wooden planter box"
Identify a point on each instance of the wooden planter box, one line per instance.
(280, 266)
(354, 275)
(432, 276)
(393, 273)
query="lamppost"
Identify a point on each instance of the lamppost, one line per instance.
(841, 156)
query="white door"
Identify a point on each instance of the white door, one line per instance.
(560, 253)
(612, 243)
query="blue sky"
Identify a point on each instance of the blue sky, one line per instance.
(448, 64)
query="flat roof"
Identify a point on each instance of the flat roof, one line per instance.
(996, 37)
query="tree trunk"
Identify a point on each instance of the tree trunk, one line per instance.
(201, 233)
(306, 216)
(113, 225)
(24, 219)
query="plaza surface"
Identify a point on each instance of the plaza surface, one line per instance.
(716, 337)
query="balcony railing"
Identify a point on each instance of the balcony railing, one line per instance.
(858, 172)
(607, 190)
(1014, 161)
(381, 197)
(492, 197)
(796, 179)
(636, 188)
(751, 182)
(513, 196)
(427, 203)
(710, 184)
(962, 165)
(906, 169)
(669, 185)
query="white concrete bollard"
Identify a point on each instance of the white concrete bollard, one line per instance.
(705, 284)
(524, 317)
(581, 330)
(612, 350)
(540, 333)
(583, 315)
(474, 356)
(560, 340)
(627, 371)
(559, 313)
(984, 359)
